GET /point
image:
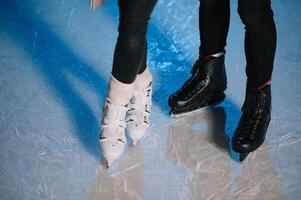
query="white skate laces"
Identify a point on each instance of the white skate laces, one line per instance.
(138, 116)
(112, 138)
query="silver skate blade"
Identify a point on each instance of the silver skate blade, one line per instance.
(134, 141)
(200, 109)
(108, 163)
(243, 156)
(183, 114)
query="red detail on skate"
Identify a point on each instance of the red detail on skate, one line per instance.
(208, 56)
(268, 82)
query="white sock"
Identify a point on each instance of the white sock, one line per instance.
(120, 93)
(143, 80)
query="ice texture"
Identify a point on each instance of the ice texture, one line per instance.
(55, 62)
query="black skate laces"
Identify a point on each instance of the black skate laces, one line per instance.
(252, 109)
(195, 79)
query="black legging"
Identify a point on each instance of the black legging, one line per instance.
(130, 52)
(260, 33)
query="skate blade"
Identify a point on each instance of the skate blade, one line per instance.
(108, 163)
(243, 156)
(183, 114)
(199, 109)
(134, 142)
(135, 139)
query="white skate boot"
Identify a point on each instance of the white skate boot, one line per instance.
(138, 116)
(112, 138)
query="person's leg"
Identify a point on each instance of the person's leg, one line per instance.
(208, 81)
(214, 19)
(260, 39)
(143, 64)
(260, 45)
(130, 49)
(128, 58)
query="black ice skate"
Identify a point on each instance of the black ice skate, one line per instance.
(253, 124)
(205, 88)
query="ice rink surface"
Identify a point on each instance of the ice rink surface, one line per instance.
(55, 60)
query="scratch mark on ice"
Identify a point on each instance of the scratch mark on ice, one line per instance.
(70, 17)
(63, 2)
(34, 40)
(211, 196)
(17, 131)
(127, 169)
(177, 155)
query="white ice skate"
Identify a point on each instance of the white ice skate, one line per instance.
(112, 138)
(138, 116)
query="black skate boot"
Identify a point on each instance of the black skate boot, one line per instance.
(253, 124)
(205, 88)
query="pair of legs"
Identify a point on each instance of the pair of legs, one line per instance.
(128, 103)
(205, 88)
(260, 33)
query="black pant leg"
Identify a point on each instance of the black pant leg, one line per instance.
(260, 39)
(143, 64)
(214, 18)
(130, 49)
